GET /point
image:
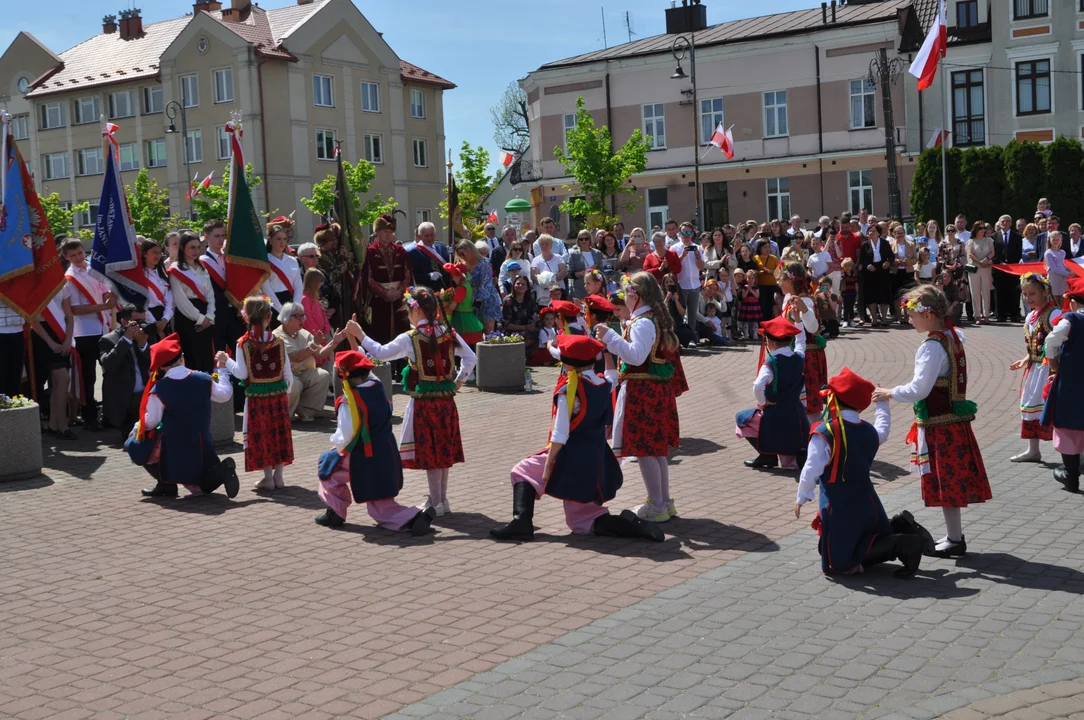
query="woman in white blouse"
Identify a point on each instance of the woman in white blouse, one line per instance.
(194, 300)
(284, 284)
(159, 295)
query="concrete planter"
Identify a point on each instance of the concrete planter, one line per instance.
(223, 423)
(20, 453)
(382, 372)
(500, 366)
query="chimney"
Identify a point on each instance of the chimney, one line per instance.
(237, 11)
(824, 13)
(131, 24)
(304, 2)
(109, 24)
(833, 10)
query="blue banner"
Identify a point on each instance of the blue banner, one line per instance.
(16, 224)
(115, 255)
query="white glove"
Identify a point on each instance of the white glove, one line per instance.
(434, 276)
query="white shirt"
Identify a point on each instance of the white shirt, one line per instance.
(818, 263)
(11, 322)
(344, 431)
(273, 284)
(1057, 337)
(560, 430)
(876, 251)
(236, 367)
(542, 265)
(689, 277)
(931, 362)
(672, 241)
(403, 347)
(184, 295)
(558, 248)
(87, 325)
(163, 287)
(809, 317)
(765, 376)
(635, 350)
(820, 452)
(221, 391)
(963, 236)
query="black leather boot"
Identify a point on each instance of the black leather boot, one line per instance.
(521, 527)
(161, 490)
(1069, 474)
(906, 524)
(629, 526)
(330, 519)
(905, 548)
(223, 474)
(762, 460)
(422, 523)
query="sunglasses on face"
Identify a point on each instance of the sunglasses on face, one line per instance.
(686, 233)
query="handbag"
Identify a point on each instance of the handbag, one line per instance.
(971, 268)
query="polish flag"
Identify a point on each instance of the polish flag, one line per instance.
(933, 49)
(938, 137)
(492, 217)
(191, 187)
(506, 159)
(195, 189)
(724, 140)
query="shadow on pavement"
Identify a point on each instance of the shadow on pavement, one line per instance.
(708, 534)
(475, 525)
(41, 481)
(80, 466)
(1008, 569)
(294, 496)
(887, 471)
(878, 580)
(666, 551)
(213, 504)
(693, 446)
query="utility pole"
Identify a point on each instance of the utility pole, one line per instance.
(882, 71)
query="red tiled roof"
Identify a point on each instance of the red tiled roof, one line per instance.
(413, 73)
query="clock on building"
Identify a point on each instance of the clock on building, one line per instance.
(24, 84)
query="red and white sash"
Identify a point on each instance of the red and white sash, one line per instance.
(282, 272)
(437, 259)
(52, 318)
(214, 269)
(157, 292)
(89, 289)
(190, 280)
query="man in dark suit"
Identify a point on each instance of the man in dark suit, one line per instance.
(1008, 247)
(500, 253)
(126, 360)
(427, 258)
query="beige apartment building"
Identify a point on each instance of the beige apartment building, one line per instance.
(302, 77)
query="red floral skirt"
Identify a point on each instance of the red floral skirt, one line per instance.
(270, 440)
(650, 423)
(816, 377)
(1034, 430)
(680, 384)
(957, 476)
(437, 442)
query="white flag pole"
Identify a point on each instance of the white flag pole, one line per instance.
(5, 123)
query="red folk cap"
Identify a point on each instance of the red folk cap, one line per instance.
(852, 389)
(779, 328)
(597, 303)
(578, 350)
(454, 269)
(569, 309)
(348, 361)
(165, 352)
(1076, 286)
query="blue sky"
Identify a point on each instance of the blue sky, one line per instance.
(480, 45)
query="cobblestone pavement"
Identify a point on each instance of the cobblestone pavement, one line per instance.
(117, 607)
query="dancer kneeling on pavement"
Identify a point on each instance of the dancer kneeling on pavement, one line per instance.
(855, 532)
(778, 425)
(172, 439)
(1064, 409)
(577, 465)
(645, 416)
(261, 361)
(429, 438)
(364, 463)
(945, 450)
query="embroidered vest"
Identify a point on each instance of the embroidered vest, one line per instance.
(432, 372)
(1036, 337)
(265, 368)
(657, 367)
(947, 403)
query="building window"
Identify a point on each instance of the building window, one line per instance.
(370, 96)
(156, 153)
(52, 116)
(421, 152)
(422, 215)
(20, 127)
(120, 104)
(417, 104)
(325, 144)
(89, 162)
(323, 91)
(55, 165)
(193, 146)
(374, 148)
(1024, 9)
(222, 139)
(569, 126)
(88, 217)
(152, 99)
(1032, 87)
(860, 190)
(967, 13)
(775, 117)
(711, 116)
(968, 121)
(655, 126)
(223, 85)
(658, 207)
(778, 197)
(863, 106)
(87, 110)
(190, 91)
(129, 157)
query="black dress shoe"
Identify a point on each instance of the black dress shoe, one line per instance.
(1070, 481)
(422, 523)
(330, 519)
(161, 490)
(951, 548)
(762, 461)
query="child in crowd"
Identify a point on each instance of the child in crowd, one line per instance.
(363, 465)
(547, 331)
(459, 303)
(714, 321)
(952, 293)
(827, 306)
(848, 283)
(261, 360)
(777, 427)
(429, 438)
(819, 259)
(1054, 260)
(1037, 326)
(924, 270)
(749, 312)
(945, 450)
(1064, 410)
(1043, 208)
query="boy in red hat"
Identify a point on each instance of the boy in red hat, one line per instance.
(778, 425)
(1064, 409)
(855, 532)
(172, 440)
(597, 310)
(364, 464)
(569, 317)
(578, 465)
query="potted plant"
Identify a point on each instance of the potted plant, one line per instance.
(502, 360)
(20, 426)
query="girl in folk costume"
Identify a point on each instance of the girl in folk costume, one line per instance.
(55, 361)
(364, 465)
(261, 361)
(945, 451)
(172, 439)
(645, 417)
(547, 332)
(194, 299)
(1064, 409)
(801, 309)
(159, 296)
(1037, 326)
(285, 283)
(459, 303)
(778, 427)
(854, 530)
(429, 438)
(577, 466)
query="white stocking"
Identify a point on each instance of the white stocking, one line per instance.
(652, 480)
(953, 523)
(1033, 446)
(444, 485)
(434, 478)
(664, 474)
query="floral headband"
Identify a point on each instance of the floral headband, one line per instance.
(1034, 277)
(409, 297)
(626, 285)
(914, 306)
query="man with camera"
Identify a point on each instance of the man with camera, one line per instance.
(125, 357)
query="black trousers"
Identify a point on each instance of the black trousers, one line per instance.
(87, 348)
(12, 357)
(1006, 296)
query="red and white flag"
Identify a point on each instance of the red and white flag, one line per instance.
(108, 132)
(933, 49)
(203, 185)
(506, 159)
(938, 137)
(724, 140)
(492, 217)
(191, 187)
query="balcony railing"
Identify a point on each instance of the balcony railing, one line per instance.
(971, 33)
(525, 171)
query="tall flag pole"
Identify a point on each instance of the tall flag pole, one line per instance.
(245, 252)
(453, 203)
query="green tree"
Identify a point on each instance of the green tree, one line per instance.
(149, 205)
(213, 201)
(60, 218)
(982, 189)
(359, 178)
(1062, 173)
(926, 200)
(600, 172)
(474, 182)
(1025, 178)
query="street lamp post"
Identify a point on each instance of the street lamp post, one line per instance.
(172, 109)
(679, 48)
